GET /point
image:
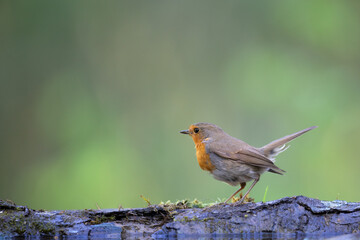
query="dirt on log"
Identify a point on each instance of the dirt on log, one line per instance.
(297, 216)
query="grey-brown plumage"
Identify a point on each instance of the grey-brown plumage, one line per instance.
(233, 161)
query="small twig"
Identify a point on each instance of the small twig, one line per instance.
(146, 200)
(97, 205)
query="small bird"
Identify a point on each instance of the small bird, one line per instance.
(234, 161)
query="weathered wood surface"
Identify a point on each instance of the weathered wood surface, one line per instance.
(296, 216)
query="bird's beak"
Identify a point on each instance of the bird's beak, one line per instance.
(185, 131)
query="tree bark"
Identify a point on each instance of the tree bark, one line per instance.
(291, 216)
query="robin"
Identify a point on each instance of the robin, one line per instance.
(233, 161)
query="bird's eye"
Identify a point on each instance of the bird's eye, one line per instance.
(196, 130)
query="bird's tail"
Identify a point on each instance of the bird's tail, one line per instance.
(272, 149)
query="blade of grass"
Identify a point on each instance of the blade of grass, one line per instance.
(266, 189)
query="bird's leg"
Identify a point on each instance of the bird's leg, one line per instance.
(243, 184)
(252, 185)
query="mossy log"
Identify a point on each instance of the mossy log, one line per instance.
(290, 216)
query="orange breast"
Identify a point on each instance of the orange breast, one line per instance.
(203, 158)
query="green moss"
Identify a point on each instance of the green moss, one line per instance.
(43, 227)
(193, 219)
(102, 219)
(24, 225)
(184, 204)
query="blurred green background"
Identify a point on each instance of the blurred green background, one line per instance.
(94, 94)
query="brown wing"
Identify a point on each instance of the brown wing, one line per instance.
(248, 155)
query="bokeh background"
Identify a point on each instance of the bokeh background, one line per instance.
(94, 93)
